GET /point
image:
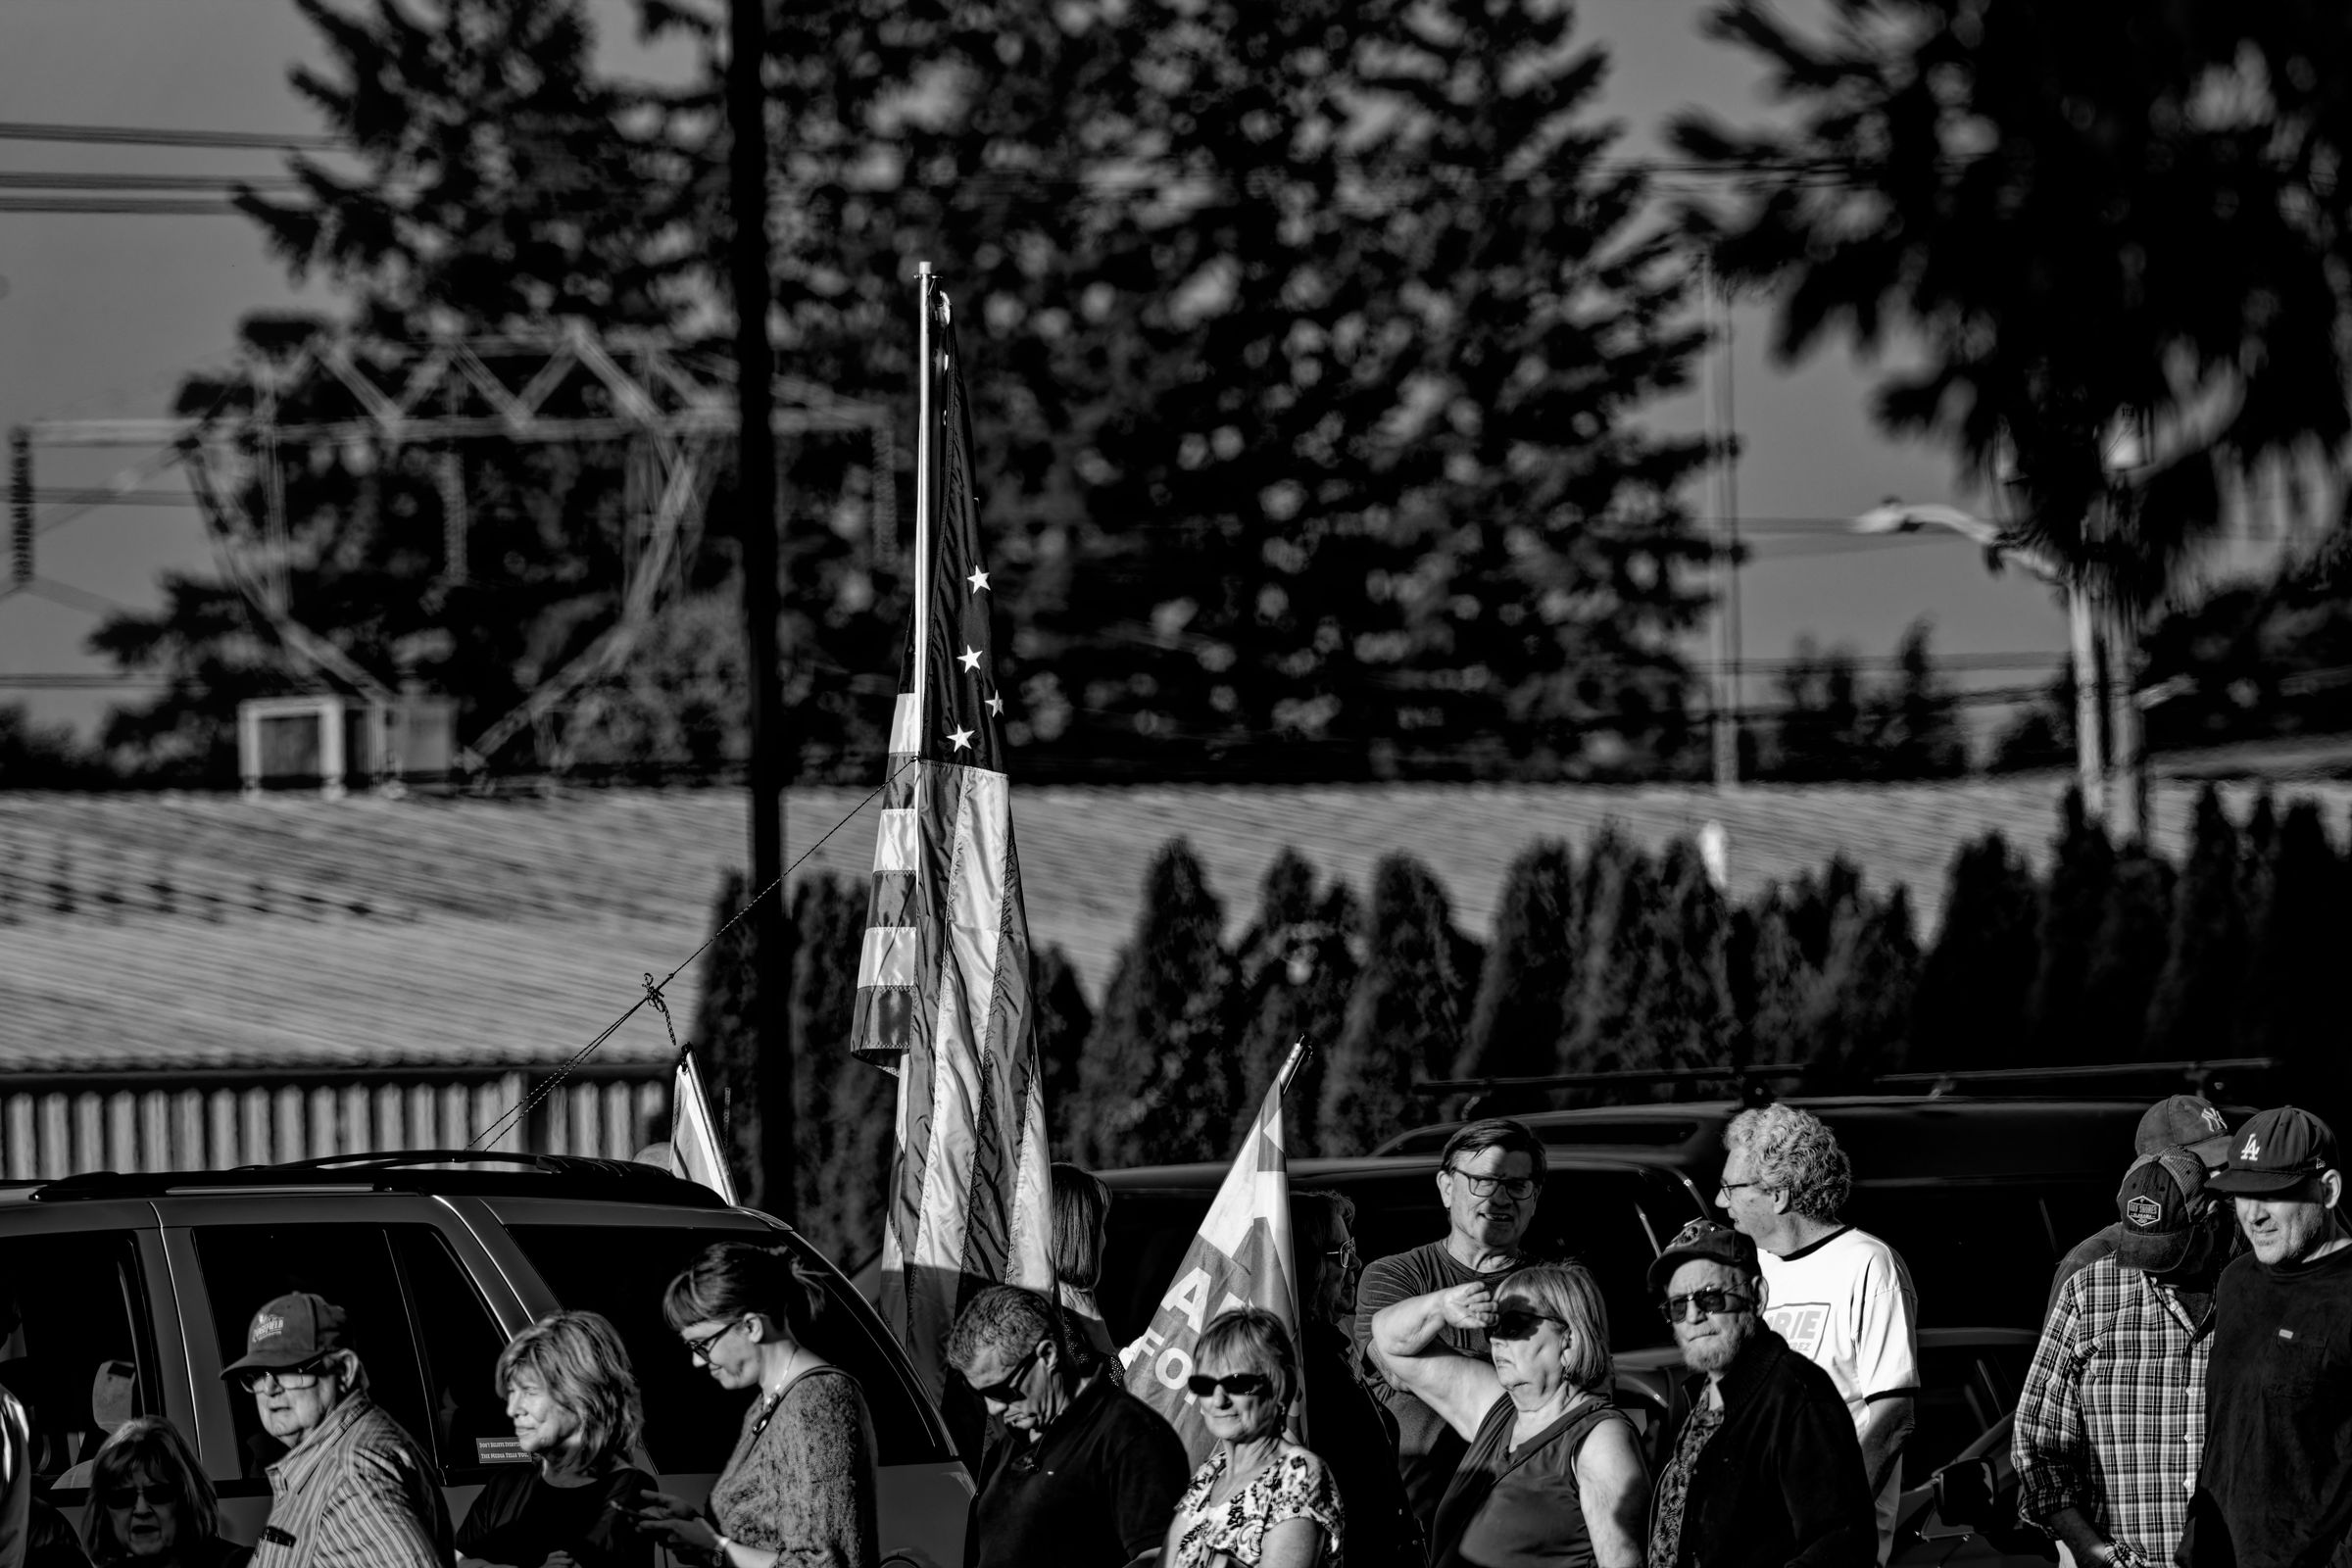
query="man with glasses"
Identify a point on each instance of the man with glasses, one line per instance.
(1490, 1178)
(1841, 1297)
(1076, 1470)
(1766, 1471)
(353, 1489)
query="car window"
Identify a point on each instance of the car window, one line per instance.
(354, 1267)
(1963, 1390)
(1604, 1219)
(458, 1342)
(78, 1354)
(1982, 1254)
(691, 1422)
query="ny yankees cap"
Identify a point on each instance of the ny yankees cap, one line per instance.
(1703, 1239)
(2274, 1150)
(2158, 1208)
(290, 1331)
(2183, 1122)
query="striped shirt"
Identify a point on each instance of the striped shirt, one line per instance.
(2112, 1421)
(361, 1488)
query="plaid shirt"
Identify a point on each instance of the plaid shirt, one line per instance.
(2113, 1417)
(361, 1488)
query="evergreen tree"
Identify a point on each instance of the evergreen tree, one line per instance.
(1620, 959)
(2258, 863)
(1685, 1010)
(1915, 723)
(1970, 1008)
(1162, 1076)
(725, 1040)
(1818, 734)
(1063, 1022)
(2292, 1008)
(837, 1099)
(1859, 1004)
(2074, 904)
(2194, 1010)
(1523, 1003)
(1782, 985)
(1296, 972)
(1406, 1017)
(2127, 956)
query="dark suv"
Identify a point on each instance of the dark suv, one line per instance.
(439, 1259)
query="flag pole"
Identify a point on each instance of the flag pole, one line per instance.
(926, 286)
(1300, 1050)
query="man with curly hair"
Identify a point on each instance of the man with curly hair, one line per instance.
(1841, 1297)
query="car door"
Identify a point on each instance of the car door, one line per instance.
(428, 1314)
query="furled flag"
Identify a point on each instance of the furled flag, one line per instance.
(942, 978)
(695, 1149)
(1241, 1258)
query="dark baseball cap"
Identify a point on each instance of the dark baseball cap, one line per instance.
(2183, 1122)
(2276, 1149)
(2157, 1205)
(1703, 1239)
(290, 1331)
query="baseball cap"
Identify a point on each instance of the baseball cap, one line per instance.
(2157, 1204)
(1703, 1239)
(2183, 1122)
(290, 1331)
(2276, 1149)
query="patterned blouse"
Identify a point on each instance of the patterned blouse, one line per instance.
(1296, 1486)
(1674, 1482)
(801, 1481)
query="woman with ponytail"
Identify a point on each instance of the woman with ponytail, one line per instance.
(798, 1489)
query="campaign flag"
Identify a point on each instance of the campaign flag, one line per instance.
(943, 977)
(695, 1149)
(1241, 1258)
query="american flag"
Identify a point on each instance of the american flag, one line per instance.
(943, 980)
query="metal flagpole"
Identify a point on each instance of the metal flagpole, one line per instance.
(925, 453)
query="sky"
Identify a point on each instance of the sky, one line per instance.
(101, 317)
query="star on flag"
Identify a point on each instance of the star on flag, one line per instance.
(962, 737)
(978, 579)
(969, 658)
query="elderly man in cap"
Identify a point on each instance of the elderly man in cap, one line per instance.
(2113, 1419)
(353, 1489)
(2274, 1486)
(1766, 1471)
(2185, 1122)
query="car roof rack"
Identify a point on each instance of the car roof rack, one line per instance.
(489, 1172)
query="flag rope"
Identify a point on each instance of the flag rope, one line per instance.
(654, 989)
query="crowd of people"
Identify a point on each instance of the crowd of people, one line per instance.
(2190, 1400)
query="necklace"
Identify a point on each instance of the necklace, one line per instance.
(773, 1399)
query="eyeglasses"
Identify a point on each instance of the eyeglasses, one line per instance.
(1518, 1189)
(1346, 1252)
(1518, 1323)
(302, 1376)
(1009, 1390)
(1241, 1385)
(155, 1494)
(1733, 1187)
(1677, 1308)
(700, 1348)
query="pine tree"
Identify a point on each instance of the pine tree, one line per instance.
(837, 1099)
(725, 1040)
(1782, 985)
(1860, 1001)
(1619, 960)
(1406, 1016)
(1064, 1021)
(1686, 1011)
(1296, 973)
(2258, 863)
(1162, 1075)
(1970, 1008)
(2194, 1008)
(1523, 1003)
(2292, 1008)
(2074, 902)
(2127, 956)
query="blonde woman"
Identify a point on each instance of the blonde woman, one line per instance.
(1259, 1500)
(573, 1399)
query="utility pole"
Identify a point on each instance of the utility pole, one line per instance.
(757, 524)
(1716, 312)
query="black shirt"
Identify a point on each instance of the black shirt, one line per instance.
(2274, 1481)
(1097, 1490)
(520, 1518)
(1780, 1484)
(1353, 1434)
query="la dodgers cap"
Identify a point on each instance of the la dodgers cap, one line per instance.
(2276, 1149)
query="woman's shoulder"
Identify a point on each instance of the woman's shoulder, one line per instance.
(1300, 1469)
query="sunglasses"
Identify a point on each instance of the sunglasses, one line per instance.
(1518, 1323)
(155, 1494)
(1240, 1385)
(301, 1376)
(1009, 1392)
(1677, 1308)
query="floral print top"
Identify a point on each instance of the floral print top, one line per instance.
(1296, 1486)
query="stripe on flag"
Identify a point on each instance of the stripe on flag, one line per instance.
(943, 972)
(1241, 1258)
(695, 1149)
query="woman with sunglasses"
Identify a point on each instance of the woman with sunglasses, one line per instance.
(799, 1485)
(1259, 1500)
(151, 1503)
(577, 1415)
(1554, 1473)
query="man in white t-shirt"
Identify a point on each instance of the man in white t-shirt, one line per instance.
(1839, 1297)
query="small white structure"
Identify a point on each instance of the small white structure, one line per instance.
(332, 739)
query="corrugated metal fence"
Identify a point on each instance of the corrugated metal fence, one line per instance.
(58, 1124)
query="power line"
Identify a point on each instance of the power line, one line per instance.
(152, 136)
(117, 205)
(89, 183)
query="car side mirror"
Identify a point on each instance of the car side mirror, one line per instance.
(1967, 1494)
